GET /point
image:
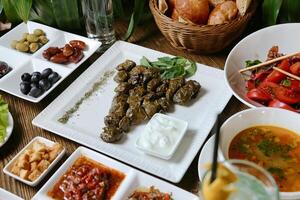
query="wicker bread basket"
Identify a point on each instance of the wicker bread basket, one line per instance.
(200, 38)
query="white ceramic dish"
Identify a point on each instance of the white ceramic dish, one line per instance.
(183, 127)
(5, 195)
(86, 124)
(25, 62)
(9, 129)
(133, 178)
(245, 119)
(53, 163)
(256, 46)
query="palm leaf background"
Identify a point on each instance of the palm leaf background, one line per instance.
(67, 14)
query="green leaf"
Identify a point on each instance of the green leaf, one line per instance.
(3, 119)
(250, 63)
(118, 9)
(23, 8)
(41, 11)
(191, 68)
(135, 17)
(66, 13)
(1, 7)
(286, 83)
(10, 11)
(145, 62)
(172, 67)
(289, 11)
(271, 10)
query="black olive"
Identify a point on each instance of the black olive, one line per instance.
(46, 73)
(26, 77)
(25, 87)
(35, 92)
(36, 77)
(45, 84)
(53, 77)
(3, 64)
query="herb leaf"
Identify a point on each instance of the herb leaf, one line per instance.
(172, 67)
(286, 83)
(277, 171)
(3, 119)
(250, 63)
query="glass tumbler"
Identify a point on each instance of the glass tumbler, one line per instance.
(98, 17)
(254, 182)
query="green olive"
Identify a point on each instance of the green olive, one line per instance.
(38, 32)
(13, 44)
(33, 47)
(22, 47)
(43, 39)
(22, 40)
(26, 43)
(25, 35)
(32, 38)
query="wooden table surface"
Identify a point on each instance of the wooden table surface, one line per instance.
(23, 112)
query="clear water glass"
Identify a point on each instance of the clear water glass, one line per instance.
(254, 182)
(98, 17)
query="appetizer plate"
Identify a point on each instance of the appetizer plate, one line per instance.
(25, 62)
(47, 142)
(7, 195)
(134, 179)
(86, 123)
(256, 46)
(9, 129)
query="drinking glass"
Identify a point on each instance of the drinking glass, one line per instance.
(98, 17)
(254, 182)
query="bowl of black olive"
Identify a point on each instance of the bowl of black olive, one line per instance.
(37, 83)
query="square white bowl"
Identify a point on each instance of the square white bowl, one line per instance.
(166, 156)
(16, 59)
(12, 82)
(48, 143)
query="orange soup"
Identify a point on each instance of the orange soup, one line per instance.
(275, 149)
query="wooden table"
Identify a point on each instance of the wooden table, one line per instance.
(23, 112)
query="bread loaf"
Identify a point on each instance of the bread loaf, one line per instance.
(243, 6)
(223, 13)
(195, 11)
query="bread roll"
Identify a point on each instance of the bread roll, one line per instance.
(242, 6)
(162, 6)
(223, 13)
(196, 11)
(174, 15)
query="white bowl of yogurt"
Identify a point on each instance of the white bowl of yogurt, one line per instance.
(161, 136)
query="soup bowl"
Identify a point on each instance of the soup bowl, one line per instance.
(255, 117)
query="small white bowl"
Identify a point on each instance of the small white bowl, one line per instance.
(9, 129)
(256, 46)
(181, 133)
(255, 117)
(48, 143)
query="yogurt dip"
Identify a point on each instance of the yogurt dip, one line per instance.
(162, 135)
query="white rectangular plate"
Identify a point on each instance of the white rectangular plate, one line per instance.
(86, 124)
(26, 62)
(133, 178)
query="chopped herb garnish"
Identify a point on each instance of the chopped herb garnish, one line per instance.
(277, 171)
(269, 147)
(286, 83)
(250, 63)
